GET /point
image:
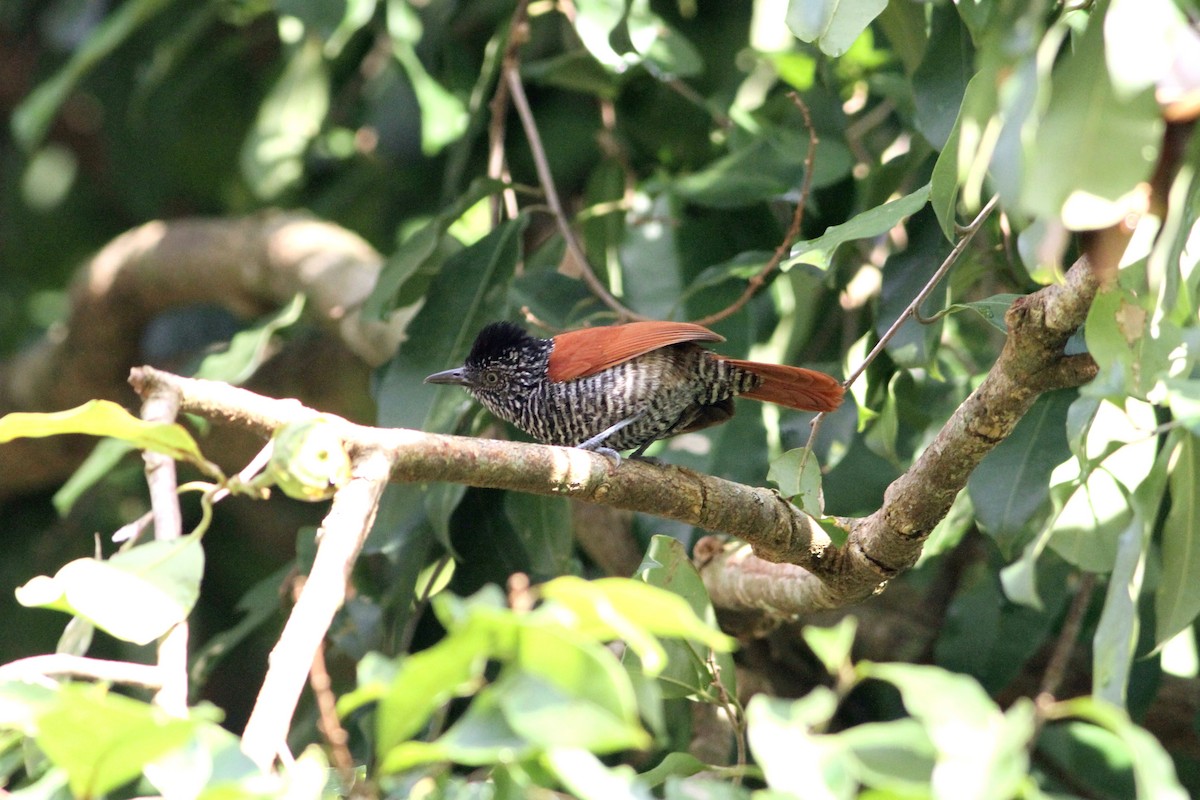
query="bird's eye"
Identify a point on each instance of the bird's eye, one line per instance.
(491, 377)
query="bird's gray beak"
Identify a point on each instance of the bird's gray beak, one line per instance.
(454, 376)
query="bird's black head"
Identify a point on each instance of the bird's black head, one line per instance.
(505, 364)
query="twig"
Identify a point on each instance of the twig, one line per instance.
(521, 103)
(1056, 669)
(163, 406)
(327, 717)
(340, 539)
(497, 166)
(36, 668)
(793, 232)
(968, 233)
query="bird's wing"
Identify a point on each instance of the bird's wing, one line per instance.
(577, 354)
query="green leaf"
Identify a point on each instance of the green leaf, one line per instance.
(766, 168)
(1116, 637)
(895, 757)
(1011, 485)
(137, 595)
(481, 736)
(832, 24)
(689, 671)
(873, 222)
(588, 778)
(991, 309)
(32, 118)
(548, 715)
(290, 117)
(1153, 770)
(106, 418)
(1087, 123)
(982, 752)
(249, 348)
(425, 681)
(409, 272)
(444, 117)
(1177, 600)
(103, 740)
(612, 608)
(798, 476)
(940, 82)
(673, 765)
(832, 645)
(793, 757)
(543, 526)
(99, 464)
(1128, 26)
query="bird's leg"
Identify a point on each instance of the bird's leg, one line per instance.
(596, 443)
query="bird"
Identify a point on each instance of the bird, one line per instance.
(623, 387)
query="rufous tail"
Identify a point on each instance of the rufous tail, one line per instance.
(794, 387)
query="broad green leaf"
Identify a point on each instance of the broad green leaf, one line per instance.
(767, 167)
(1153, 769)
(1086, 123)
(620, 608)
(99, 464)
(1177, 600)
(543, 525)
(1116, 637)
(589, 680)
(291, 116)
(104, 740)
(469, 293)
(32, 118)
(588, 778)
(106, 418)
(621, 35)
(160, 579)
(1011, 485)
(249, 348)
(673, 765)
(689, 669)
(425, 681)
(481, 736)
(798, 476)
(444, 117)
(832, 24)
(873, 222)
(545, 714)
(940, 82)
(895, 756)
(905, 274)
(418, 260)
(832, 645)
(982, 752)
(794, 758)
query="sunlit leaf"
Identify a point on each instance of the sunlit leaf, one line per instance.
(106, 418)
(1177, 601)
(873, 222)
(832, 24)
(160, 579)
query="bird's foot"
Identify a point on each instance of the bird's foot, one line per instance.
(610, 454)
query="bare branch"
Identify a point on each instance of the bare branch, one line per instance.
(163, 406)
(339, 540)
(38, 668)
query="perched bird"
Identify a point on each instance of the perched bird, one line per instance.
(625, 386)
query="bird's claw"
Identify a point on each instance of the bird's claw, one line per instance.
(610, 454)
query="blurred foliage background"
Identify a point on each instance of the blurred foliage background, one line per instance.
(671, 134)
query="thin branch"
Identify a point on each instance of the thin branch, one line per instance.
(38, 668)
(340, 539)
(163, 406)
(327, 717)
(1056, 669)
(497, 166)
(968, 233)
(793, 232)
(546, 178)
